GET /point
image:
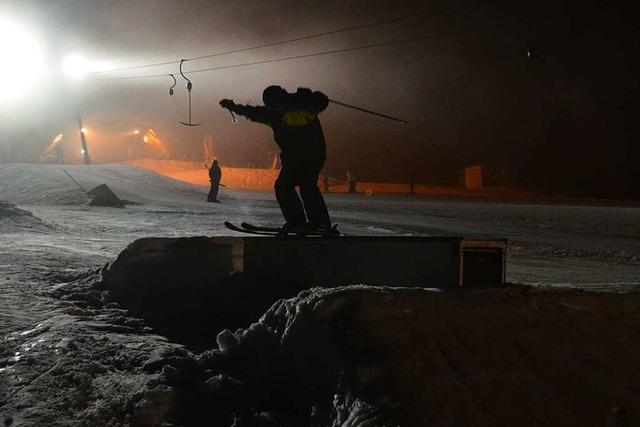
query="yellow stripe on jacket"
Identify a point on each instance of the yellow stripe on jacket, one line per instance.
(298, 118)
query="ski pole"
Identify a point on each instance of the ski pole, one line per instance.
(233, 116)
(221, 185)
(76, 182)
(333, 101)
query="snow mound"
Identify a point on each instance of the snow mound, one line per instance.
(47, 184)
(361, 355)
(13, 219)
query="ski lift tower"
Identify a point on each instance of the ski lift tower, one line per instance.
(83, 140)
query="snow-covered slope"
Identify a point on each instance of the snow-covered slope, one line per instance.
(549, 244)
(49, 185)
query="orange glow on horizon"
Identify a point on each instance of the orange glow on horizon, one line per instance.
(152, 139)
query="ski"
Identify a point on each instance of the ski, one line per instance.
(292, 231)
(253, 227)
(278, 231)
(232, 226)
(249, 226)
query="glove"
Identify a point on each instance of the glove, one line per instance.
(227, 103)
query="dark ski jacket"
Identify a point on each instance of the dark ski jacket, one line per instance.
(215, 173)
(297, 129)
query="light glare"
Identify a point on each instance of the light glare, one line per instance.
(77, 66)
(21, 60)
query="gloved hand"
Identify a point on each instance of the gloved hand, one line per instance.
(227, 103)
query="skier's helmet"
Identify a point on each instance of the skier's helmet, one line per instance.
(273, 95)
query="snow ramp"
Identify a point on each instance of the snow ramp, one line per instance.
(25, 183)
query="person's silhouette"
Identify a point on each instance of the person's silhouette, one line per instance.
(215, 175)
(293, 117)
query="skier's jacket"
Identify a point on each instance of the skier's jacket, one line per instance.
(215, 173)
(297, 129)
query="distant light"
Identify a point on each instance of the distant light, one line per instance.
(145, 138)
(58, 138)
(531, 52)
(82, 151)
(21, 60)
(83, 130)
(136, 131)
(77, 66)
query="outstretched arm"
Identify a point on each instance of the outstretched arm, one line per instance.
(255, 114)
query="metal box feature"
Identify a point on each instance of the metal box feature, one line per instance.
(442, 262)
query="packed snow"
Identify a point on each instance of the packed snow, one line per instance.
(50, 237)
(550, 244)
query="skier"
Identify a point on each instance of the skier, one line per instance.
(59, 150)
(215, 175)
(293, 117)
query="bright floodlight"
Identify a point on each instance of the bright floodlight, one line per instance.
(77, 66)
(21, 61)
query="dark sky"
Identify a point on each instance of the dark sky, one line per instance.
(562, 121)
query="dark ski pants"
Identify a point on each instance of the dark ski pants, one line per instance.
(213, 192)
(301, 173)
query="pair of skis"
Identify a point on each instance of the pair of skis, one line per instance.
(245, 227)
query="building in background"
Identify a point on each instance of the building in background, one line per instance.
(473, 177)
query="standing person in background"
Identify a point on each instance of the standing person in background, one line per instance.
(351, 182)
(215, 175)
(59, 150)
(293, 117)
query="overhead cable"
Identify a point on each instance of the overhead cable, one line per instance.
(306, 55)
(261, 46)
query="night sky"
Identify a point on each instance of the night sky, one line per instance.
(543, 93)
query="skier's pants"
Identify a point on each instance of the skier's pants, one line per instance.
(301, 173)
(213, 192)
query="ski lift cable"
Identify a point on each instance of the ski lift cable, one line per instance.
(328, 52)
(261, 46)
(311, 36)
(307, 55)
